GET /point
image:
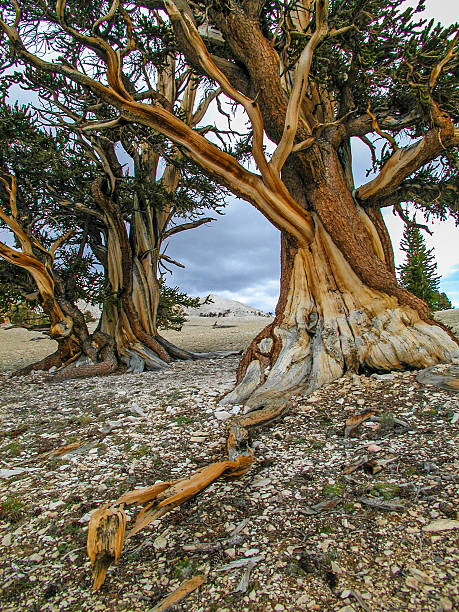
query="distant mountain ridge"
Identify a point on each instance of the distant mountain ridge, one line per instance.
(221, 306)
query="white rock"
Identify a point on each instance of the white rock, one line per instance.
(441, 525)
(136, 409)
(6, 541)
(15, 472)
(57, 504)
(261, 483)
(222, 415)
(85, 518)
(160, 543)
(445, 604)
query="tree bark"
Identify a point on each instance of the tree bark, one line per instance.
(328, 322)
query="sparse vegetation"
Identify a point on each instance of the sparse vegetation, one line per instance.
(12, 509)
(386, 490)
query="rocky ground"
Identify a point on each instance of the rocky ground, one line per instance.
(328, 518)
(19, 347)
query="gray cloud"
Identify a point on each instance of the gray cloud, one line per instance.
(237, 256)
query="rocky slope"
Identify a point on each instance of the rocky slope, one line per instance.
(450, 318)
(222, 306)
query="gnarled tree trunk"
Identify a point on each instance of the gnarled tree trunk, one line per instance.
(130, 316)
(328, 322)
(340, 307)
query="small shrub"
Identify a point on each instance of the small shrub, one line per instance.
(142, 451)
(385, 490)
(185, 568)
(386, 421)
(334, 490)
(14, 449)
(11, 509)
(183, 420)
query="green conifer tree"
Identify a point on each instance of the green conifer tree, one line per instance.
(418, 273)
(442, 302)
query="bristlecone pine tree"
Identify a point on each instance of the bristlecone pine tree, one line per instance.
(123, 219)
(310, 76)
(47, 264)
(442, 302)
(418, 272)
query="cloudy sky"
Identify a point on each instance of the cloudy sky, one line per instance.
(238, 256)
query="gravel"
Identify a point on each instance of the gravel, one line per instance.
(129, 431)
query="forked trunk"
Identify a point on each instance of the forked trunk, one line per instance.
(129, 317)
(136, 295)
(328, 322)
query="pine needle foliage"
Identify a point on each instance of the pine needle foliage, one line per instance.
(418, 273)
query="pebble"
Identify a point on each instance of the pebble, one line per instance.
(6, 540)
(445, 605)
(160, 543)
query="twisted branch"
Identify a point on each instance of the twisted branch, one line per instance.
(272, 199)
(404, 217)
(292, 117)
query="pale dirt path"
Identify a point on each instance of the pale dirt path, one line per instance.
(19, 347)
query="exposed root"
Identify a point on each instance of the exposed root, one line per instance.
(447, 379)
(99, 369)
(139, 357)
(108, 363)
(179, 353)
(53, 360)
(68, 350)
(107, 525)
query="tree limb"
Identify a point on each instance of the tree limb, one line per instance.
(57, 243)
(439, 67)
(399, 210)
(292, 117)
(273, 200)
(378, 130)
(170, 260)
(186, 226)
(407, 160)
(189, 31)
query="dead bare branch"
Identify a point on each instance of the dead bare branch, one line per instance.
(404, 217)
